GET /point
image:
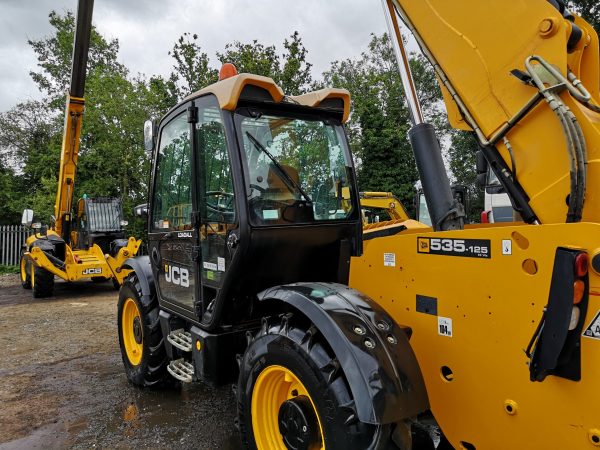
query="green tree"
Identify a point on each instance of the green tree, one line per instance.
(380, 120)
(461, 155)
(9, 212)
(30, 142)
(589, 10)
(112, 159)
(291, 71)
(192, 70)
(55, 52)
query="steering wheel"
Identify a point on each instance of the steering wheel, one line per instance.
(220, 208)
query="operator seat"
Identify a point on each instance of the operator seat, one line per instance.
(277, 188)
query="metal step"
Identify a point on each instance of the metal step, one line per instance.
(182, 370)
(180, 339)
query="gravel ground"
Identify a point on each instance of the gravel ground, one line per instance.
(62, 383)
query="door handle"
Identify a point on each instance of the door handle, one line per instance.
(232, 241)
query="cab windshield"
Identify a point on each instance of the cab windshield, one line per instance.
(295, 168)
(104, 215)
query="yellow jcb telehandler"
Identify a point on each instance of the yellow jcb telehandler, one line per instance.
(339, 339)
(91, 242)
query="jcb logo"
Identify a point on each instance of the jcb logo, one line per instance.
(177, 275)
(93, 271)
(423, 244)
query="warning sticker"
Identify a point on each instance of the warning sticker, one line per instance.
(209, 265)
(389, 259)
(593, 329)
(445, 326)
(506, 247)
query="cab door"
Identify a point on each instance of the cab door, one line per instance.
(216, 200)
(172, 236)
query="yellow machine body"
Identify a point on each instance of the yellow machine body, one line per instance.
(68, 159)
(385, 201)
(84, 262)
(80, 264)
(476, 45)
(478, 378)
(494, 306)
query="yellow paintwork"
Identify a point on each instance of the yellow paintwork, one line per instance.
(478, 380)
(133, 349)
(386, 201)
(379, 226)
(23, 269)
(274, 385)
(314, 99)
(476, 44)
(68, 158)
(495, 306)
(78, 261)
(228, 93)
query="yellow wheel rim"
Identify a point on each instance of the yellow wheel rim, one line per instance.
(32, 275)
(275, 385)
(131, 328)
(23, 267)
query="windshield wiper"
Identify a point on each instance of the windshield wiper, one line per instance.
(286, 177)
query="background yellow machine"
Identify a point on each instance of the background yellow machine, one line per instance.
(91, 242)
(341, 338)
(381, 206)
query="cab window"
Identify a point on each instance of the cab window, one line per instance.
(296, 169)
(172, 208)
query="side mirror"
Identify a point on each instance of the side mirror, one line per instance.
(461, 193)
(149, 135)
(27, 218)
(141, 211)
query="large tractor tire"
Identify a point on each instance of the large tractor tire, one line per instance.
(25, 272)
(140, 337)
(292, 394)
(42, 282)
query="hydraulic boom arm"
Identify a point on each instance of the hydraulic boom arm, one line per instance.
(73, 120)
(524, 76)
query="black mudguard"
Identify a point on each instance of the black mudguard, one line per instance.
(47, 243)
(373, 351)
(141, 266)
(44, 244)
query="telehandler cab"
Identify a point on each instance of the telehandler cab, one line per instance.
(259, 269)
(90, 243)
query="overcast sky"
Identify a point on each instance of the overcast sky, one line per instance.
(147, 29)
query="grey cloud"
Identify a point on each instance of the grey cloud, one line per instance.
(147, 29)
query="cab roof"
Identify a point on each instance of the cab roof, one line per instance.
(247, 86)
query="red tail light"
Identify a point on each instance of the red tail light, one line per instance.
(581, 264)
(485, 216)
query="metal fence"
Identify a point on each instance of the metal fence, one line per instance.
(12, 239)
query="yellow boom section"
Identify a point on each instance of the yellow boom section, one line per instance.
(475, 45)
(385, 201)
(68, 159)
